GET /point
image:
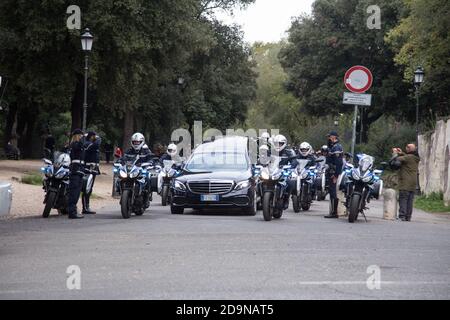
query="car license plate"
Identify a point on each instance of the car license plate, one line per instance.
(210, 197)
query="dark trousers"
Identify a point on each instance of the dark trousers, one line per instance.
(332, 189)
(406, 202)
(87, 196)
(75, 185)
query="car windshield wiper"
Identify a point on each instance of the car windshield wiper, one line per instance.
(195, 172)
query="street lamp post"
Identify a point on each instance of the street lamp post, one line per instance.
(86, 43)
(418, 79)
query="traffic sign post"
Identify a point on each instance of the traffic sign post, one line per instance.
(357, 79)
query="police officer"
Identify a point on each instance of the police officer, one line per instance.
(171, 153)
(288, 157)
(76, 149)
(335, 163)
(139, 149)
(92, 160)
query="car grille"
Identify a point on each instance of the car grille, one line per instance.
(210, 187)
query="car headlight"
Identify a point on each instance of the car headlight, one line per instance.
(355, 175)
(122, 174)
(242, 185)
(179, 185)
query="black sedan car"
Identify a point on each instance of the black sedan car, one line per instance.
(217, 175)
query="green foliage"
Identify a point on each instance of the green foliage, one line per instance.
(324, 45)
(386, 134)
(432, 203)
(141, 49)
(32, 178)
(423, 38)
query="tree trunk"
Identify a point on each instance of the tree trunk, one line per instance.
(128, 128)
(77, 103)
(10, 124)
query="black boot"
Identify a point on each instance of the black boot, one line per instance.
(85, 201)
(333, 209)
(75, 215)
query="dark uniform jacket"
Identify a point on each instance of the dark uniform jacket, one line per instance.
(145, 155)
(92, 151)
(76, 150)
(289, 157)
(335, 159)
(311, 158)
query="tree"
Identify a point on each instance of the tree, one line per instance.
(324, 45)
(423, 38)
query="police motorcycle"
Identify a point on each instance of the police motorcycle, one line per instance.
(360, 185)
(169, 170)
(320, 180)
(302, 180)
(55, 183)
(88, 178)
(272, 183)
(133, 186)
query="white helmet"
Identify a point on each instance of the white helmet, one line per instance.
(265, 136)
(137, 141)
(305, 149)
(172, 150)
(279, 142)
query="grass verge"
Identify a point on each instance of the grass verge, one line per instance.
(432, 203)
(32, 178)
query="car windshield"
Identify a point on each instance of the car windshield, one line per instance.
(217, 161)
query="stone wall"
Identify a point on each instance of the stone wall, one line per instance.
(434, 167)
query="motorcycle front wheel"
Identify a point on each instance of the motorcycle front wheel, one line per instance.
(296, 203)
(125, 204)
(354, 207)
(164, 195)
(267, 206)
(51, 198)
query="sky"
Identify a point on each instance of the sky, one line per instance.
(266, 20)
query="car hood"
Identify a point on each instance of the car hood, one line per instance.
(236, 176)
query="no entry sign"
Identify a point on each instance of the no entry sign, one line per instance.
(358, 79)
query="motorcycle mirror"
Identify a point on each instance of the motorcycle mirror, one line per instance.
(318, 160)
(47, 161)
(146, 164)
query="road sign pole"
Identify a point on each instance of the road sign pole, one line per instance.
(355, 118)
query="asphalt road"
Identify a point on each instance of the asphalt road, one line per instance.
(222, 255)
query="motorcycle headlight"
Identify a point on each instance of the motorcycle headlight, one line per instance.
(179, 186)
(265, 175)
(355, 175)
(123, 174)
(242, 185)
(305, 174)
(134, 173)
(60, 174)
(367, 177)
